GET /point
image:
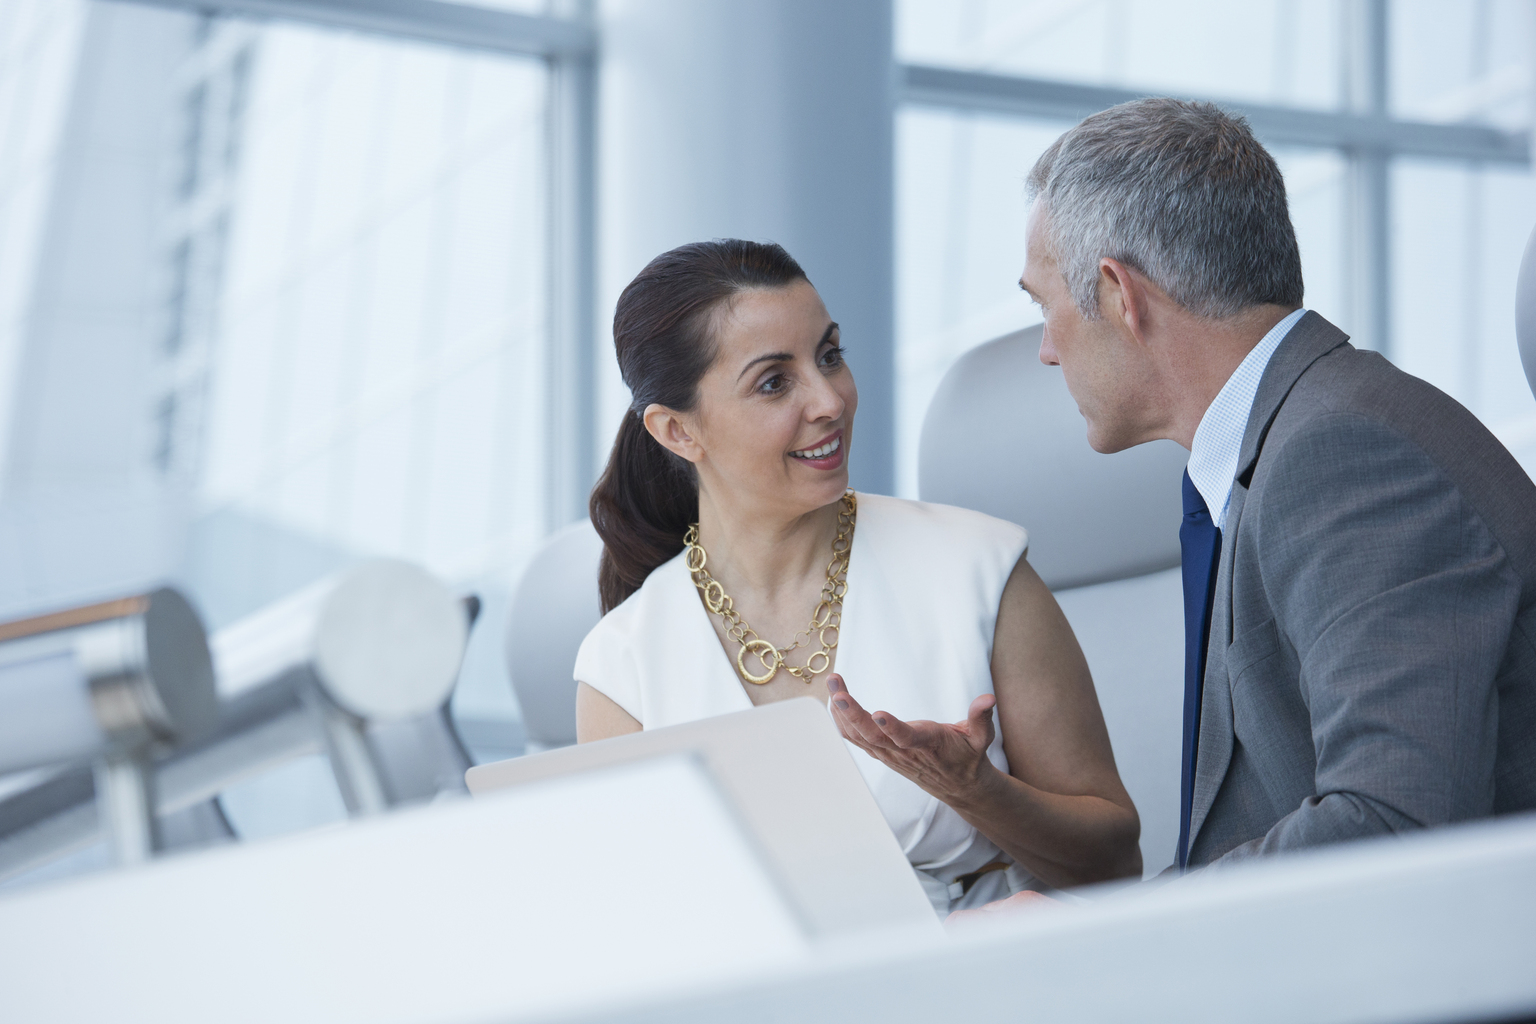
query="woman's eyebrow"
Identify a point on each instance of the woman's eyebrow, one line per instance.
(772, 357)
(786, 357)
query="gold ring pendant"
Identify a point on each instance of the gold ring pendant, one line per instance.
(764, 651)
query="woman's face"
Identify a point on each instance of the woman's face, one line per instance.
(775, 413)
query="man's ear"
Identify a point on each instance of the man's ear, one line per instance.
(669, 430)
(1123, 297)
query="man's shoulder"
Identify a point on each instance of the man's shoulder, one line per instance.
(1352, 390)
(1354, 381)
(1368, 416)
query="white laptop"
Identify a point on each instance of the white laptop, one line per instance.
(790, 777)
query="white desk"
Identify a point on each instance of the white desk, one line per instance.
(631, 895)
(1436, 927)
(553, 898)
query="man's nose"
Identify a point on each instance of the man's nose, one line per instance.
(1047, 350)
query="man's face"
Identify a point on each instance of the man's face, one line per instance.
(1099, 361)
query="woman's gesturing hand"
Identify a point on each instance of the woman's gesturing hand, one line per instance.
(947, 761)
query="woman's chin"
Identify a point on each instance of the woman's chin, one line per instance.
(827, 488)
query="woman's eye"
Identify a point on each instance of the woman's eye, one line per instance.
(832, 357)
(773, 385)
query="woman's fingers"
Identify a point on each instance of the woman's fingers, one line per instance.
(979, 728)
(899, 732)
(882, 728)
(852, 717)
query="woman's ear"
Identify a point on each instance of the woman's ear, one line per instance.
(669, 430)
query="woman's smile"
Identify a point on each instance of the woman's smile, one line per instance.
(824, 454)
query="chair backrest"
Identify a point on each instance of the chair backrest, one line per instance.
(1525, 311)
(1003, 436)
(554, 606)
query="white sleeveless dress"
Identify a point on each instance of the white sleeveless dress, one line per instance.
(924, 585)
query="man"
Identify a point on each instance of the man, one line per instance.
(1359, 552)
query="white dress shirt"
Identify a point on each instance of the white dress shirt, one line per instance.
(1219, 438)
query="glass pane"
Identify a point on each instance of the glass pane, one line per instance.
(1271, 51)
(1458, 234)
(960, 217)
(1316, 185)
(1461, 62)
(366, 319)
(38, 39)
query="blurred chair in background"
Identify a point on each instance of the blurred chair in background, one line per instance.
(107, 686)
(1003, 436)
(364, 660)
(358, 666)
(1525, 311)
(554, 606)
(421, 757)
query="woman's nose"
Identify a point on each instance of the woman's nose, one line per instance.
(825, 403)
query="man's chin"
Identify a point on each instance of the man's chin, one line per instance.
(1109, 438)
(1106, 443)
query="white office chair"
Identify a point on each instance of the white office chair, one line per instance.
(554, 606)
(1004, 436)
(1525, 311)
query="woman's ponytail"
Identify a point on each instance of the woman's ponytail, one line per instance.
(647, 496)
(641, 507)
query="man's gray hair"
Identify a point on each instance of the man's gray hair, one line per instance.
(1180, 191)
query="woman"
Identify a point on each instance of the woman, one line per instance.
(739, 570)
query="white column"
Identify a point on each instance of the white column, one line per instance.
(760, 119)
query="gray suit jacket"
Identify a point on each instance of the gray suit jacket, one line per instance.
(1372, 662)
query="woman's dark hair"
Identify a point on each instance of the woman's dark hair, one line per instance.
(647, 497)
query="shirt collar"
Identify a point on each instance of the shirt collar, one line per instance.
(1219, 438)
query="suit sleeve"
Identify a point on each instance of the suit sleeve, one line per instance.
(1398, 603)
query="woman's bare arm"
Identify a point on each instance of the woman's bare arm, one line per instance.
(1067, 805)
(1062, 811)
(598, 717)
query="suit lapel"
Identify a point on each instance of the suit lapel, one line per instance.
(1311, 339)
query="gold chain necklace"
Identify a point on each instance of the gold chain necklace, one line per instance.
(826, 619)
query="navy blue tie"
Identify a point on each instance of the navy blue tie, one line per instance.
(1200, 541)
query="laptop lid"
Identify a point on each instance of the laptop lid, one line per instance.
(790, 776)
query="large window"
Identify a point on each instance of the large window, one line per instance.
(374, 367)
(336, 284)
(1441, 263)
(355, 316)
